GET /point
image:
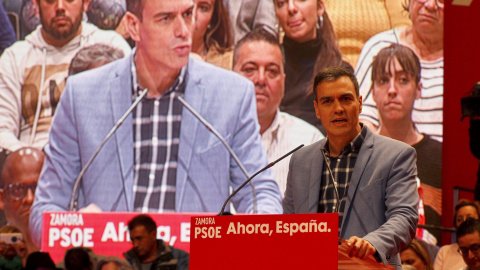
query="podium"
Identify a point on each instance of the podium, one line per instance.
(300, 241)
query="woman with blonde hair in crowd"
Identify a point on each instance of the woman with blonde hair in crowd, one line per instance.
(448, 256)
(212, 38)
(416, 255)
(309, 46)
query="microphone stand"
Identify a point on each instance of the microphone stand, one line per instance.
(73, 200)
(230, 150)
(257, 173)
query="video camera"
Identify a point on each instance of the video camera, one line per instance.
(471, 103)
(10, 238)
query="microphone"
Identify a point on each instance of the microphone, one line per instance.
(73, 200)
(230, 150)
(257, 173)
(336, 208)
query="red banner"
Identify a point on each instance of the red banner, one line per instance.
(302, 241)
(107, 233)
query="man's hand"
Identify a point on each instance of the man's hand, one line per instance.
(360, 248)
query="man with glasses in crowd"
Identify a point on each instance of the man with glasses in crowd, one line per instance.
(468, 239)
(19, 180)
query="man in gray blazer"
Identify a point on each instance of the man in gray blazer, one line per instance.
(367, 178)
(161, 159)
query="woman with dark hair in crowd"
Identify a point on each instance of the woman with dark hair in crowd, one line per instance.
(448, 256)
(212, 39)
(416, 255)
(309, 46)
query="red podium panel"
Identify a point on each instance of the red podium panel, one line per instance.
(107, 233)
(301, 241)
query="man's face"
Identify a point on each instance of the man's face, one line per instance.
(61, 19)
(17, 196)
(395, 93)
(338, 107)
(144, 242)
(163, 36)
(470, 241)
(261, 63)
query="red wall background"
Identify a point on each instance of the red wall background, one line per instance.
(462, 70)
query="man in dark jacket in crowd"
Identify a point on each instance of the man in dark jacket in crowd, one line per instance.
(148, 252)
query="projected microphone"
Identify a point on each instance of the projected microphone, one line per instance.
(73, 200)
(215, 132)
(257, 173)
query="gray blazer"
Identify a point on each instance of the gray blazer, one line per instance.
(382, 197)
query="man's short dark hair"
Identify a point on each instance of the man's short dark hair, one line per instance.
(77, 259)
(331, 74)
(142, 220)
(469, 226)
(407, 59)
(257, 34)
(136, 7)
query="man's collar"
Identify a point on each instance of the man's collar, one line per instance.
(353, 146)
(136, 88)
(274, 126)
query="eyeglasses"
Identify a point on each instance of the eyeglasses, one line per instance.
(440, 3)
(475, 249)
(18, 191)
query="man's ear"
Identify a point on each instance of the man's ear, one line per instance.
(2, 200)
(132, 24)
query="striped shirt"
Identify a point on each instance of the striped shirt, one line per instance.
(156, 125)
(427, 110)
(337, 171)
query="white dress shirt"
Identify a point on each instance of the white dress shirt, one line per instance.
(284, 134)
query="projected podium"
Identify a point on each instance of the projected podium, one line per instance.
(107, 233)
